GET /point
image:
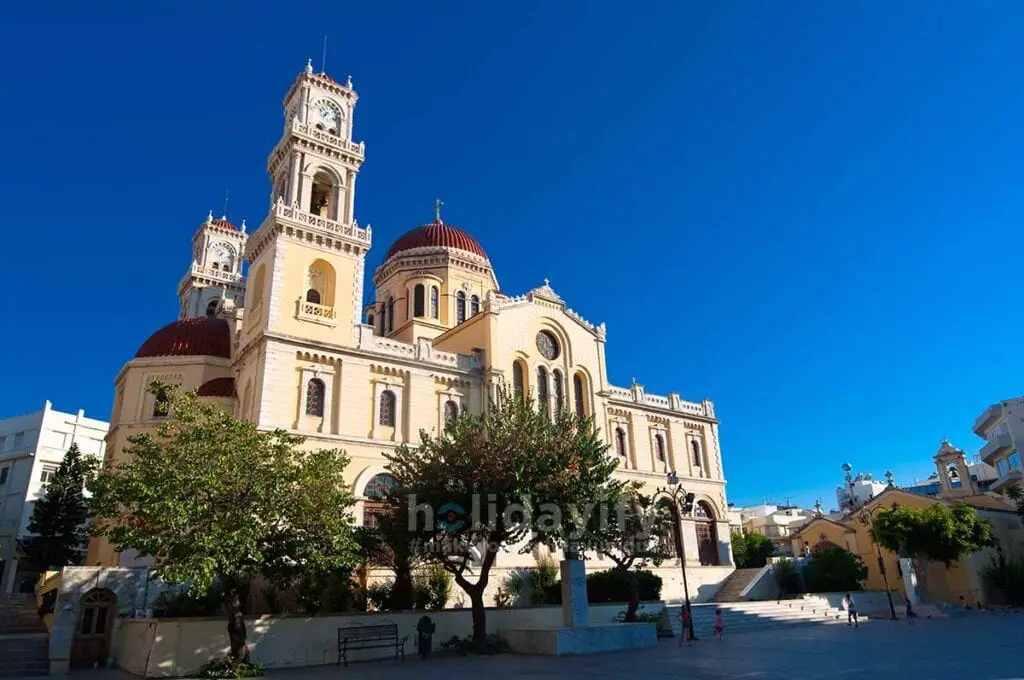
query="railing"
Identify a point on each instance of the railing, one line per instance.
(420, 351)
(327, 138)
(222, 274)
(302, 217)
(670, 403)
(311, 311)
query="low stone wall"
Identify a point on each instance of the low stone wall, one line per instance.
(170, 648)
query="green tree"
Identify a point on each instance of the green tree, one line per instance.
(512, 456)
(390, 545)
(833, 569)
(633, 531)
(937, 533)
(216, 501)
(751, 550)
(58, 526)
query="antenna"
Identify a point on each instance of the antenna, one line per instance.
(323, 58)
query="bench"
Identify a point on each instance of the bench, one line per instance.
(353, 638)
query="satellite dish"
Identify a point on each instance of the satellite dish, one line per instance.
(847, 467)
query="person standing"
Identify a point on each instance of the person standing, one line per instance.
(686, 618)
(851, 612)
(719, 625)
(910, 613)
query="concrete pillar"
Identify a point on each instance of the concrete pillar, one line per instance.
(575, 607)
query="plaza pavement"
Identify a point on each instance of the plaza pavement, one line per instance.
(973, 646)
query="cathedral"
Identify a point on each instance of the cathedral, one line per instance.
(289, 343)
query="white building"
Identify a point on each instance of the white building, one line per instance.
(1002, 427)
(777, 522)
(858, 491)
(31, 448)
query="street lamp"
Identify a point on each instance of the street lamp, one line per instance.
(682, 503)
(866, 518)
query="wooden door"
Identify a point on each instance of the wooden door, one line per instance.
(95, 625)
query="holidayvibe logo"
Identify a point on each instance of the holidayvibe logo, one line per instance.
(456, 528)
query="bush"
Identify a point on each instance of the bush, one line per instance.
(379, 595)
(1006, 576)
(751, 550)
(612, 585)
(536, 584)
(438, 583)
(787, 577)
(834, 570)
(495, 644)
(229, 668)
(186, 603)
(420, 595)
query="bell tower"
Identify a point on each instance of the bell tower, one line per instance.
(216, 270)
(306, 261)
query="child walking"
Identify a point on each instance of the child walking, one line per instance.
(910, 613)
(719, 625)
(685, 617)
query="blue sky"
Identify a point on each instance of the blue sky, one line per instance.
(808, 212)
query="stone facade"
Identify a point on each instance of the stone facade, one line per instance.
(439, 337)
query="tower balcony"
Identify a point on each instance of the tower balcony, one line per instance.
(310, 132)
(311, 311)
(215, 274)
(300, 218)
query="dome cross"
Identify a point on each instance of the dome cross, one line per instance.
(438, 204)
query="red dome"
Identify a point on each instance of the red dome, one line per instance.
(223, 223)
(218, 387)
(204, 336)
(436, 235)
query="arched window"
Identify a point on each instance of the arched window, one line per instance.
(211, 307)
(434, 303)
(620, 442)
(247, 400)
(451, 412)
(460, 307)
(542, 390)
(370, 320)
(255, 291)
(577, 390)
(315, 391)
(695, 447)
(659, 447)
(387, 408)
(380, 486)
(391, 315)
(707, 535)
(474, 306)
(313, 295)
(556, 378)
(321, 196)
(518, 383)
(161, 405)
(418, 302)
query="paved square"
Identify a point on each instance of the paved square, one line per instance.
(978, 646)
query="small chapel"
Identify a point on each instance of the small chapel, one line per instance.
(287, 342)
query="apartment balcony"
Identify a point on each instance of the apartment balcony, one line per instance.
(987, 419)
(311, 311)
(1013, 477)
(999, 444)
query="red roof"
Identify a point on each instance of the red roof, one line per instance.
(218, 387)
(203, 336)
(223, 224)
(437, 234)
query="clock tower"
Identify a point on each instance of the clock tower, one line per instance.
(216, 270)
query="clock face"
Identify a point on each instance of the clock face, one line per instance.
(222, 254)
(328, 114)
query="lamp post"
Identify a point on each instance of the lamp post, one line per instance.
(866, 518)
(682, 502)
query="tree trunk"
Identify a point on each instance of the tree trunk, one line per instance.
(401, 591)
(476, 599)
(236, 621)
(634, 596)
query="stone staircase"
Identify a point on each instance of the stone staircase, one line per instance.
(734, 585)
(24, 640)
(741, 617)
